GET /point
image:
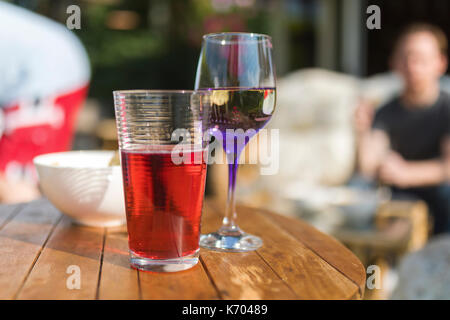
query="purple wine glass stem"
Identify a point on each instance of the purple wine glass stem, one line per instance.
(229, 226)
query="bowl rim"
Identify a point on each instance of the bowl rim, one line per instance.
(37, 160)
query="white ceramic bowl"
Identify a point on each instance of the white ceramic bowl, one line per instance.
(83, 186)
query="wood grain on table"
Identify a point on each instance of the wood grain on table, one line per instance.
(38, 244)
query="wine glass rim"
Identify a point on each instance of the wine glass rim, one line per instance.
(259, 37)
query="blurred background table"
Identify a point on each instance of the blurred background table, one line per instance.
(38, 245)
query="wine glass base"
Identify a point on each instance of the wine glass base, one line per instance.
(242, 242)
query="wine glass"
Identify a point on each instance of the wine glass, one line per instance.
(237, 68)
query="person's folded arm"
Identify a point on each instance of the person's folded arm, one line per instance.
(406, 174)
(425, 173)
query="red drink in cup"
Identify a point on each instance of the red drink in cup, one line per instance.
(163, 202)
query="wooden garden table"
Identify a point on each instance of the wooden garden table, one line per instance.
(38, 245)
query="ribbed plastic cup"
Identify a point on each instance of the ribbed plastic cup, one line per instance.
(162, 142)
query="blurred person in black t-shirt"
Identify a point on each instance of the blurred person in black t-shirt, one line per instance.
(407, 144)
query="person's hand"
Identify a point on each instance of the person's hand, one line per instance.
(394, 171)
(363, 117)
(17, 191)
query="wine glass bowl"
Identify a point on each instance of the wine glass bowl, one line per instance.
(238, 69)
